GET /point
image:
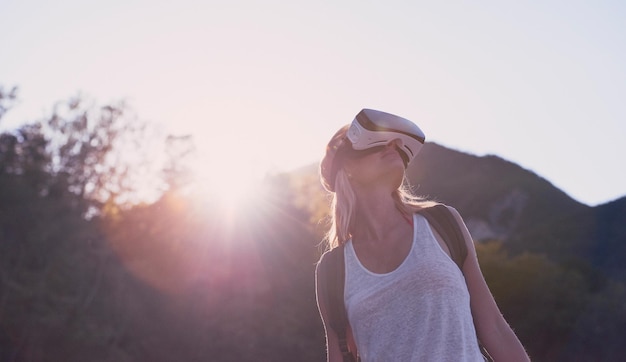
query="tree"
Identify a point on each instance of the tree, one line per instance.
(556, 311)
(7, 99)
(99, 152)
(63, 294)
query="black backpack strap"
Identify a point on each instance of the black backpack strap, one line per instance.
(444, 222)
(331, 275)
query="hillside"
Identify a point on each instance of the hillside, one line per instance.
(498, 198)
(501, 200)
(595, 236)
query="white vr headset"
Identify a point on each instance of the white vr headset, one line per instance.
(371, 128)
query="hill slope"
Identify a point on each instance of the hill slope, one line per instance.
(498, 198)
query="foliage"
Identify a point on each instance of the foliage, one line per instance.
(549, 306)
(101, 152)
(62, 291)
(7, 99)
(178, 278)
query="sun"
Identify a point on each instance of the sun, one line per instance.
(226, 183)
(236, 150)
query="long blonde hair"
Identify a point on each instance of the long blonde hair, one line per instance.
(343, 205)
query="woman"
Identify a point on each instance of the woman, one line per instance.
(406, 299)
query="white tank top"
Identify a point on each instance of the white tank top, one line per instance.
(418, 312)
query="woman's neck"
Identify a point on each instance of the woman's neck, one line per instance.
(376, 217)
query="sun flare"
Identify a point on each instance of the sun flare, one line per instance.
(226, 185)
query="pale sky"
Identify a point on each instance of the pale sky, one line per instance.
(266, 83)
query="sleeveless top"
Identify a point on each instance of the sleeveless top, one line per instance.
(418, 312)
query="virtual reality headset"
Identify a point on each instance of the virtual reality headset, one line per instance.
(371, 128)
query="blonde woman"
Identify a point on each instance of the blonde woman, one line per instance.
(405, 298)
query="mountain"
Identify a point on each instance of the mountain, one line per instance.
(501, 200)
(498, 198)
(595, 236)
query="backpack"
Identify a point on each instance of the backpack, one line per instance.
(331, 276)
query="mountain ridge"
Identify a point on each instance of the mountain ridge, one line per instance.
(497, 197)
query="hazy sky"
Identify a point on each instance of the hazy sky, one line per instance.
(268, 82)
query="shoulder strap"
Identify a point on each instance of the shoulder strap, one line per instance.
(331, 273)
(444, 222)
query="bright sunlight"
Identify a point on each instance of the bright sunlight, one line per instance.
(225, 182)
(234, 151)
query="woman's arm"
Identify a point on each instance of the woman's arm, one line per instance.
(492, 329)
(333, 353)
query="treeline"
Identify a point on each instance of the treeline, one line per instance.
(91, 271)
(93, 268)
